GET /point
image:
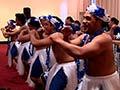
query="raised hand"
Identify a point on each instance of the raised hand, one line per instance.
(2, 29)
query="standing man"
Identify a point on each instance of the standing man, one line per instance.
(27, 12)
(101, 71)
(68, 21)
(115, 33)
(63, 74)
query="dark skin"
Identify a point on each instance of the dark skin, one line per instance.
(62, 56)
(59, 53)
(24, 36)
(66, 32)
(98, 52)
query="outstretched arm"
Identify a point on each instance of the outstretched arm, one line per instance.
(88, 50)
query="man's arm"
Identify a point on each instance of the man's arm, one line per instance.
(43, 43)
(117, 42)
(15, 31)
(77, 40)
(91, 49)
(23, 36)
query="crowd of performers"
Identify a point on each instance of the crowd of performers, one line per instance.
(53, 55)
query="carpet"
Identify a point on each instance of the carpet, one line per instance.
(9, 78)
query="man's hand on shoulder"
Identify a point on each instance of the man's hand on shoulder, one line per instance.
(32, 32)
(56, 36)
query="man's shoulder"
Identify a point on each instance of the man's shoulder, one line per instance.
(23, 27)
(103, 38)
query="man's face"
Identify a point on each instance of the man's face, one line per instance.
(48, 27)
(30, 27)
(89, 22)
(42, 22)
(67, 22)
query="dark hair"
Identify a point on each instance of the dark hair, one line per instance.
(21, 18)
(11, 22)
(60, 23)
(27, 12)
(114, 20)
(34, 22)
(70, 18)
(75, 27)
(58, 19)
(76, 21)
(105, 26)
(27, 9)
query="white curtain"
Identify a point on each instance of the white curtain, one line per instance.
(111, 6)
(73, 8)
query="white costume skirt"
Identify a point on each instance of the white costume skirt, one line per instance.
(109, 82)
(62, 77)
(20, 66)
(37, 66)
(17, 44)
(9, 55)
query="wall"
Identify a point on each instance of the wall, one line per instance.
(61, 8)
(8, 8)
(111, 6)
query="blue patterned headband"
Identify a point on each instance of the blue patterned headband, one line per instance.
(33, 19)
(11, 23)
(34, 22)
(98, 12)
(42, 17)
(57, 22)
(75, 27)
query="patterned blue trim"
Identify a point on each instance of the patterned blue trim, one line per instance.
(59, 81)
(25, 55)
(37, 69)
(14, 51)
(96, 10)
(48, 58)
(31, 49)
(57, 22)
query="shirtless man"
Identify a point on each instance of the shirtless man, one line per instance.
(62, 76)
(27, 12)
(13, 50)
(20, 21)
(98, 53)
(115, 34)
(11, 25)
